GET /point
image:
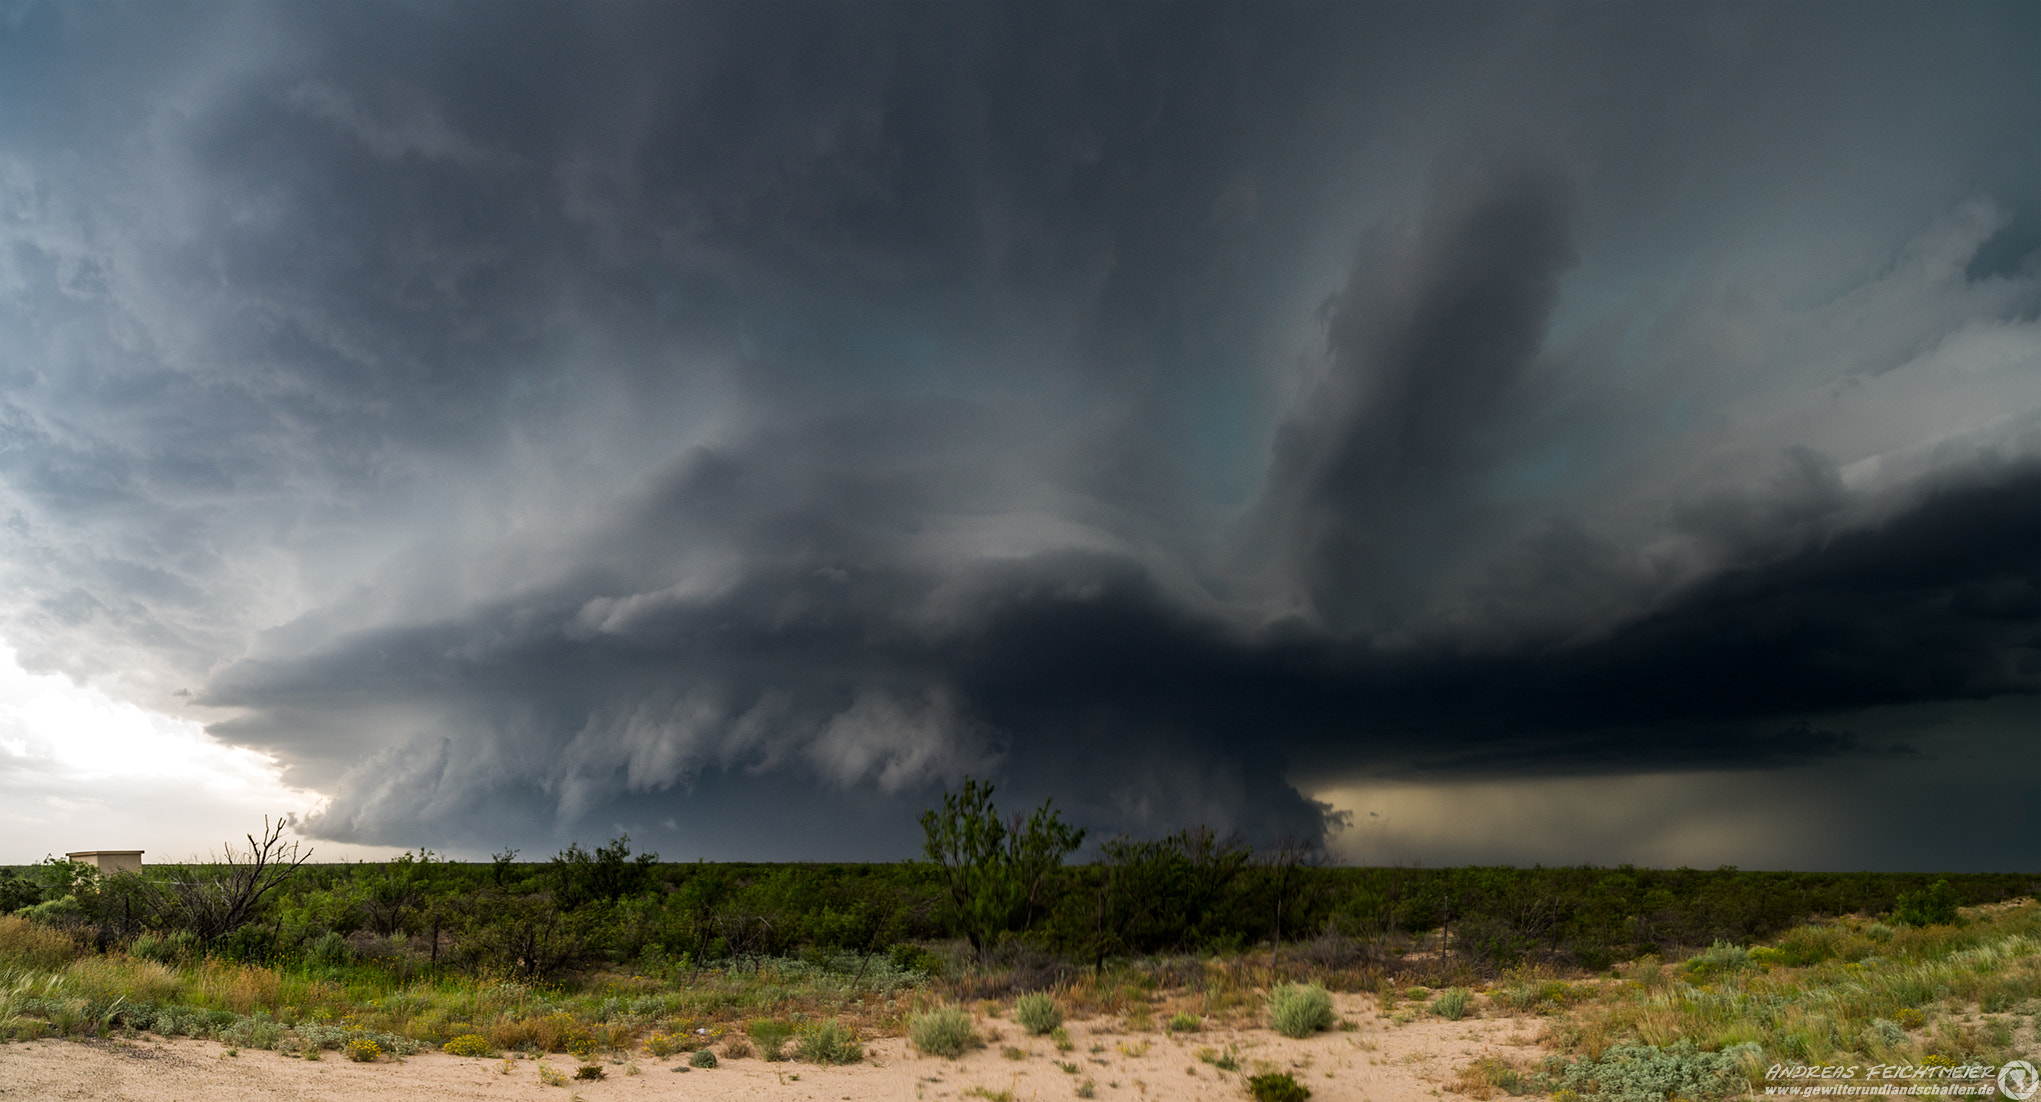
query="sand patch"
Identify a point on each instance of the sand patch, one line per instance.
(1379, 1062)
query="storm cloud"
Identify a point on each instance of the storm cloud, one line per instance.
(734, 423)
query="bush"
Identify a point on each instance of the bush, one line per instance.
(1934, 907)
(1299, 1010)
(914, 958)
(1037, 1012)
(328, 948)
(944, 1031)
(590, 1071)
(702, 1058)
(663, 1045)
(770, 1037)
(1186, 1022)
(1717, 959)
(1451, 1004)
(166, 949)
(61, 911)
(468, 1044)
(1277, 1086)
(829, 1043)
(737, 1048)
(1643, 1073)
(361, 1050)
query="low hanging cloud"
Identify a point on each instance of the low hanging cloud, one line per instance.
(529, 423)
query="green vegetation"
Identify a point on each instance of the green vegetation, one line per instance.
(1644, 1073)
(468, 1044)
(995, 880)
(1299, 1010)
(944, 1031)
(770, 1038)
(1935, 906)
(600, 952)
(1842, 992)
(701, 1058)
(1037, 1012)
(829, 1043)
(1277, 1086)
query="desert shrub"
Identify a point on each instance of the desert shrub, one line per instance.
(1037, 1012)
(1299, 1010)
(165, 948)
(1451, 1004)
(944, 1031)
(702, 1058)
(1224, 1061)
(663, 1045)
(1719, 958)
(590, 1072)
(555, 1032)
(468, 1044)
(770, 1036)
(1185, 1022)
(361, 1050)
(1935, 906)
(1535, 994)
(914, 958)
(1885, 1031)
(1645, 1073)
(1277, 1086)
(1488, 1074)
(552, 1076)
(829, 1043)
(65, 910)
(329, 948)
(1060, 1037)
(737, 1048)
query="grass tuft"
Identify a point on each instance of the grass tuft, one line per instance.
(1277, 1086)
(1299, 1010)
(1038, 1012)
(944, 1031)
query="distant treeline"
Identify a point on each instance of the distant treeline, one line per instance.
(1186, 894)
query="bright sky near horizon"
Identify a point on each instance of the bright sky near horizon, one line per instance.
(81, 770)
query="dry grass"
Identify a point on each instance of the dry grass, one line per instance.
(28, 944)
(241, 988)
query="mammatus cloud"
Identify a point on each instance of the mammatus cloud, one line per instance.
(733, 427)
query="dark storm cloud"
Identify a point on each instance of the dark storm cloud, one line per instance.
(1427, 347)
(724, 421)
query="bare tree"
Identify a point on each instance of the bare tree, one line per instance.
(221, 896)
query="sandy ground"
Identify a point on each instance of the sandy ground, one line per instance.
(1379, 1062)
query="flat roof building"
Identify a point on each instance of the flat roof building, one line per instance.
(110, 860)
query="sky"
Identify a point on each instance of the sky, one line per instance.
(1446, 433)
